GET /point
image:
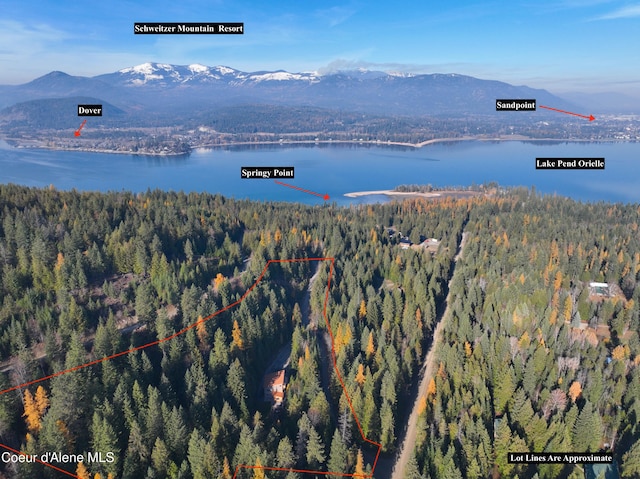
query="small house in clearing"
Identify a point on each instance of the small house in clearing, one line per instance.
(599, 289)
(274, 386)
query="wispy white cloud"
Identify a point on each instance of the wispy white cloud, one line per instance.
(29, 51)
(630, 11)
(336, 15)
(18, 38)
(345, 65)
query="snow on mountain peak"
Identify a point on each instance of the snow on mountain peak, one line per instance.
(280, 76)
(195, 73)
(224, 70)
(144, 68)
(401, 74)
(197, 68)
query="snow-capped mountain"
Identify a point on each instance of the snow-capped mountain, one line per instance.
(153, 87)
(163, 74)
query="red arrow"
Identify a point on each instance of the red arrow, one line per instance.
(77, 132)
(590, 117)
(324, 197)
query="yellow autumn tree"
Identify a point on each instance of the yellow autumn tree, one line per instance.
(41, 400)
(575, 390)
(342, 337)
(618, 353)
(226, 469)
(236, 334)
(431, 388)
(422, 405)
(97, 476)
(59, 262)
(201, 331)
(31, 414)
(371, 348)
(359, 472)
(524, 341)
(258, 471)
(558, 281)
(82, 472)
(265, 239)
(360, 377)
(219, 279)
(59, 277)
(362, 312)
(568, 309)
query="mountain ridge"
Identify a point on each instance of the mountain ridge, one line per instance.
(163, 87)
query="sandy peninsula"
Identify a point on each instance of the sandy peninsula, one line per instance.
(406, 194)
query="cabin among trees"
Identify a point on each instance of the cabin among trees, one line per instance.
(274, 386)
(599, 289)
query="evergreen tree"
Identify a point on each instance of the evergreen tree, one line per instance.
(630, 466)
(285, 457)
(315, 450)
(338, 455)
(411, 470)
(587, 431)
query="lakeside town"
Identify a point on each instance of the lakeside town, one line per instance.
(180, 140)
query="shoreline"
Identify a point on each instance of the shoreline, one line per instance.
(358, 194)
(318, 142)
(413, 194)
(88, 150)
(405, 144)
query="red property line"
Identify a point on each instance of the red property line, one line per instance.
(203, 320)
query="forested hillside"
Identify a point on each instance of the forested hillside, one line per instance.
(533, 358)
(88, 275)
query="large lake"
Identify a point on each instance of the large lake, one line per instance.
(336, 170)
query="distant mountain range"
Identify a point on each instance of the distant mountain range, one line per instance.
(161, 90)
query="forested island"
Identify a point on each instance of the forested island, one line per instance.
(533, 356)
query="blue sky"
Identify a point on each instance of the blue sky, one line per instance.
(561, 45)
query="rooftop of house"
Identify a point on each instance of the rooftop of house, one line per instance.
(275, 379)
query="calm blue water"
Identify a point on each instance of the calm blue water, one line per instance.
(336, 169)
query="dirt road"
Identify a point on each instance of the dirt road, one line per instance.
(427, 371)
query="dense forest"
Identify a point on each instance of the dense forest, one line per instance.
(532, 359)
(87, 275)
